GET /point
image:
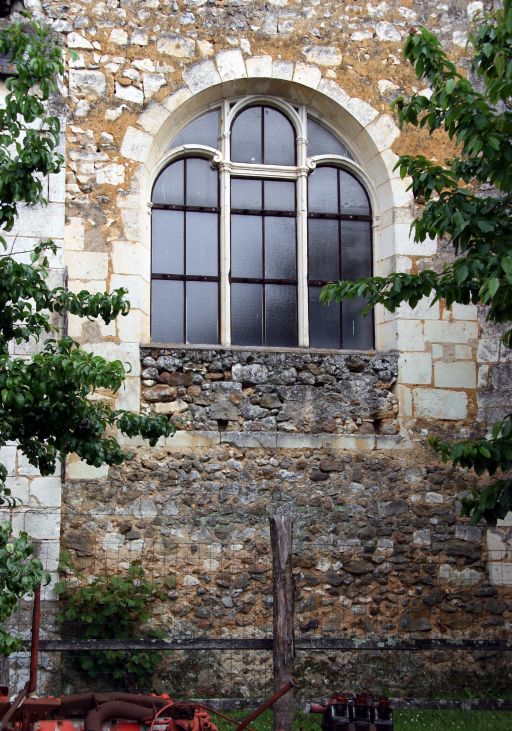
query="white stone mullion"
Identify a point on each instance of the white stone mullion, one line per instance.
(225, 231)
(302, 244)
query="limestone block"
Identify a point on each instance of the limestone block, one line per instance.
(440, 404)
(8, 459)
(307, 74)
(19, 487)
(231, 64)
(46, 491)
(361, 35)
(136, 144)
(139, 37)
(80, 470)
(410, 335)
(87, 83)
(404, 396)
(119, 37)
(152, 83)
(131, 220)
(174, 45)
(455, 375)
(42, 525)
(451, 332)
(127, 353)
(110, 174)
(322, 55)
(282, 70)
(437, 351)
(259, 66)
(362, 442)
(183, 439)
(387, 32)
(464, 312)
(25, 468)
(205, 48)
(175, 100)
(454, 576)
(415, 368)
(333, 91)
(138, 289)
(383, 131)
(201, 76)
(127, 258)
(129, 93)
(75, 40)
(362, 111)
(40, 221)
(130, 327)
(424, 310)
(500, 573)
(128, 396)
(57, 187)
(87, 265)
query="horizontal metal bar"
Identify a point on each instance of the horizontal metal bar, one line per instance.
(184, 278)
(302, 644)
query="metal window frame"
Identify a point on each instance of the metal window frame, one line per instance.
(228, 169)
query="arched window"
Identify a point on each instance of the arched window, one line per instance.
(259, 207)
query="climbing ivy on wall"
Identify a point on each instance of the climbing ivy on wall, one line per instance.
(478, 118)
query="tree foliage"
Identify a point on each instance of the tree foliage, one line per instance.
(45, 399)
(478, 119)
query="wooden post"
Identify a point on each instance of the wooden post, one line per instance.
(283, 625)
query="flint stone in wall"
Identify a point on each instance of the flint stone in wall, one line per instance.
(250, 374)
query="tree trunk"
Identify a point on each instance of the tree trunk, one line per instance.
(283, 645)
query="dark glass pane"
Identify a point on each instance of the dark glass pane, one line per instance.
(322, 142)
(202, 131)
(246, 314)
(167, 242)
(279, 138)
(246, 194)
(246, 136)
(279, 195)
(201, 183)
(166, 311)
(356, 249)
(280, 248)
(324, 322)
(354, 201)
(246, 240)
(323, 191)
(169, 185)
(357, 331)
(323, 249)
(202, 312)
(281, 315)
(202, 237)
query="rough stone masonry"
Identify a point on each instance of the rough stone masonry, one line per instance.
(338, 438)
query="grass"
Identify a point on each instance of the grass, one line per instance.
(404, 720)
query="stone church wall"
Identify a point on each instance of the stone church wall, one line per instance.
(338, 438)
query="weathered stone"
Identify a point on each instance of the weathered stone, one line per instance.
(318, 476)
(177, 379)
(250, 373)
(223, 411)
(358, 567)
(87, 83)
(173, 45)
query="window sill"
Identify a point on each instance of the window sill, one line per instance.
(261, 349)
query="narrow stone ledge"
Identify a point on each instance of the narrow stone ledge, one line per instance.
(250, 439)
(193, 439)
(361, 443)
(300, 441)
(385, 441)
